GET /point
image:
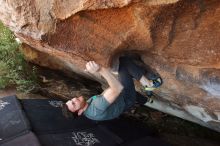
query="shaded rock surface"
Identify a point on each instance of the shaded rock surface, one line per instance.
(179, 39)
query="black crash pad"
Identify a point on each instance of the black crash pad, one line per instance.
(28, 139)
(147, 141)
(13, 121)
(128, 130)
(90, 137)
(52, 128)
(46, 117)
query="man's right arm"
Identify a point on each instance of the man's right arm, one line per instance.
(115, 87)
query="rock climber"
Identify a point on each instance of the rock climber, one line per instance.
(118, 97)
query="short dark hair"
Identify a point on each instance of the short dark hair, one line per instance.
(67, 113)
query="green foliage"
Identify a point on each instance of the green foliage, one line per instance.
(14, 70)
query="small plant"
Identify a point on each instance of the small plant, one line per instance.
(14, 70)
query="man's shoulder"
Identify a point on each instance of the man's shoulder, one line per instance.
(98, 102)
(100, 109)
(97, 107)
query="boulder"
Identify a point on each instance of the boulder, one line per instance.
(178, 39)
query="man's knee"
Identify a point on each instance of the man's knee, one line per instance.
(124, 60)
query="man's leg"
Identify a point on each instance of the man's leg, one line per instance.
(135, 71)
(128, 93)
(127, 71)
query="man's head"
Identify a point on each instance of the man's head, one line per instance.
(77, 104)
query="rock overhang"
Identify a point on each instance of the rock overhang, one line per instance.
(179, 40)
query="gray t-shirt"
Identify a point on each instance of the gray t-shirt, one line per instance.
(100, 109)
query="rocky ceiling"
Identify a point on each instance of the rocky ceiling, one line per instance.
(179, 39)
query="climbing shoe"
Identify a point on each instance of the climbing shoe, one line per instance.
(149, 90)
(146, 98)
(156, 84)
(149, 96)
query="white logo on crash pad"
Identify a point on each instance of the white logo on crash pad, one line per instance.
(55, 103)
(84, 139)
(3, 104)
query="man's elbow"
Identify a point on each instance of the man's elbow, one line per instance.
(119, 89)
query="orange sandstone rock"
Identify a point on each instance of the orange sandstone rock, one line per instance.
(179, 39)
